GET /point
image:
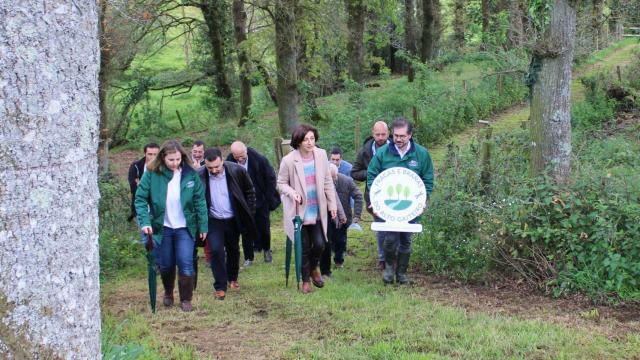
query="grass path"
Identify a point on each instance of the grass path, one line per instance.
(604, 61)
(356, 317)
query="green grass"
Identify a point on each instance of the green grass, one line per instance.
(354, 317)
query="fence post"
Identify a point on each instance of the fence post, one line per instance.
(485, 174)
(356, 136)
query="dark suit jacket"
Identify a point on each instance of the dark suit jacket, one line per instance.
(241, 193)
(136, 169)
(264, 179)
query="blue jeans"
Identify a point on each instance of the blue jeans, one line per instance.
(176, 248)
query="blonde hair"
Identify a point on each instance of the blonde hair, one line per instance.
(169, 147)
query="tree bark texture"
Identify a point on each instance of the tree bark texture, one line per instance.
(286, 63)
(240, 31)
(597, 24)
(615, 20)
(428, 30)
(437, 27)
(515, 33)
(551, 95)
(486, 16)
(103, 81)
(49, 114)
(458, 23)
(355, 46)
(410, 37)
(214, 16)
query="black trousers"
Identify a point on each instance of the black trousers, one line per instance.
(325, 259)
(224, 243)
(263, 225)
(312, 248)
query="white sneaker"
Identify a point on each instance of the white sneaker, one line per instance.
(247, 263)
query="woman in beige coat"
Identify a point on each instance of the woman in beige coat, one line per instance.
(306, 188)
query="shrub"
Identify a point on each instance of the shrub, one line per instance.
(121, 252)
(583, 237)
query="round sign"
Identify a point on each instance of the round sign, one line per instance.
(398, 195)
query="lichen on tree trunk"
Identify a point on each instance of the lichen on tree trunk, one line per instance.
(551, 95)
(284, 18)
(49, 114)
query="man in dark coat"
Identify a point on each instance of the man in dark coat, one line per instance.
(136, 169)
(264, 181)
(231, 202)
(379, 137)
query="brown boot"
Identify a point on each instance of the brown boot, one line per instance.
(316, 279)
(168, 281)
(185, 286)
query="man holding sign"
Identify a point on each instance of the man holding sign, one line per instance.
(399, 195)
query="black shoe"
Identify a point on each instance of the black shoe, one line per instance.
(268, 256)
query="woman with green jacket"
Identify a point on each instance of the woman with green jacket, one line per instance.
(171, 206)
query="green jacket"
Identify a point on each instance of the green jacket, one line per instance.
(416, 159)
(151, 197)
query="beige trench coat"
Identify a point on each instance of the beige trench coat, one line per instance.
(291, 181)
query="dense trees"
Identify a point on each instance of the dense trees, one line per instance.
(49, 283)
(310, 47)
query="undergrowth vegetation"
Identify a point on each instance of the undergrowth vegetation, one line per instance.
(489, 218)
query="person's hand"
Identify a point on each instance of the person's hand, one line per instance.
(343, 221)
(297, 198)
(333, 213)
(147, 230)
(374, 213)
(203, 236)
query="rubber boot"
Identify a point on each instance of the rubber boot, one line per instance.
(185, 286)
(390, 259)
(401, 271)
(168, 282)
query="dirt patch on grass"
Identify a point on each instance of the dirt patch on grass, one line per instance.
(510, 299)
(253, 330)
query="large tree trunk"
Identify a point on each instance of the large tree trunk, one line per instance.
(597, 24)
(615, 20)
(437, 27)
(103, 83)
(428, 30)
(49, 113)
(284, 18)
(410, 37)
(515, 33)
(486, 16)
(214, 16)
(239, 26)
(551, 95)
(458, 23)
(355, 45)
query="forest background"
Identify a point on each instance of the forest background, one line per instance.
(225, 70)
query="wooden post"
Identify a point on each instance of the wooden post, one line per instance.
(485, 174)
(499, 84)
(619, 73)
(464, 85)
(281, 148)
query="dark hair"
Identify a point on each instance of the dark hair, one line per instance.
(401, 122)
(212, 153)
(336, 151)
(298, 134)
(169, 147)
(198, 143)
(150, 146)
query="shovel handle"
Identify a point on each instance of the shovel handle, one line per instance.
(149, 244)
